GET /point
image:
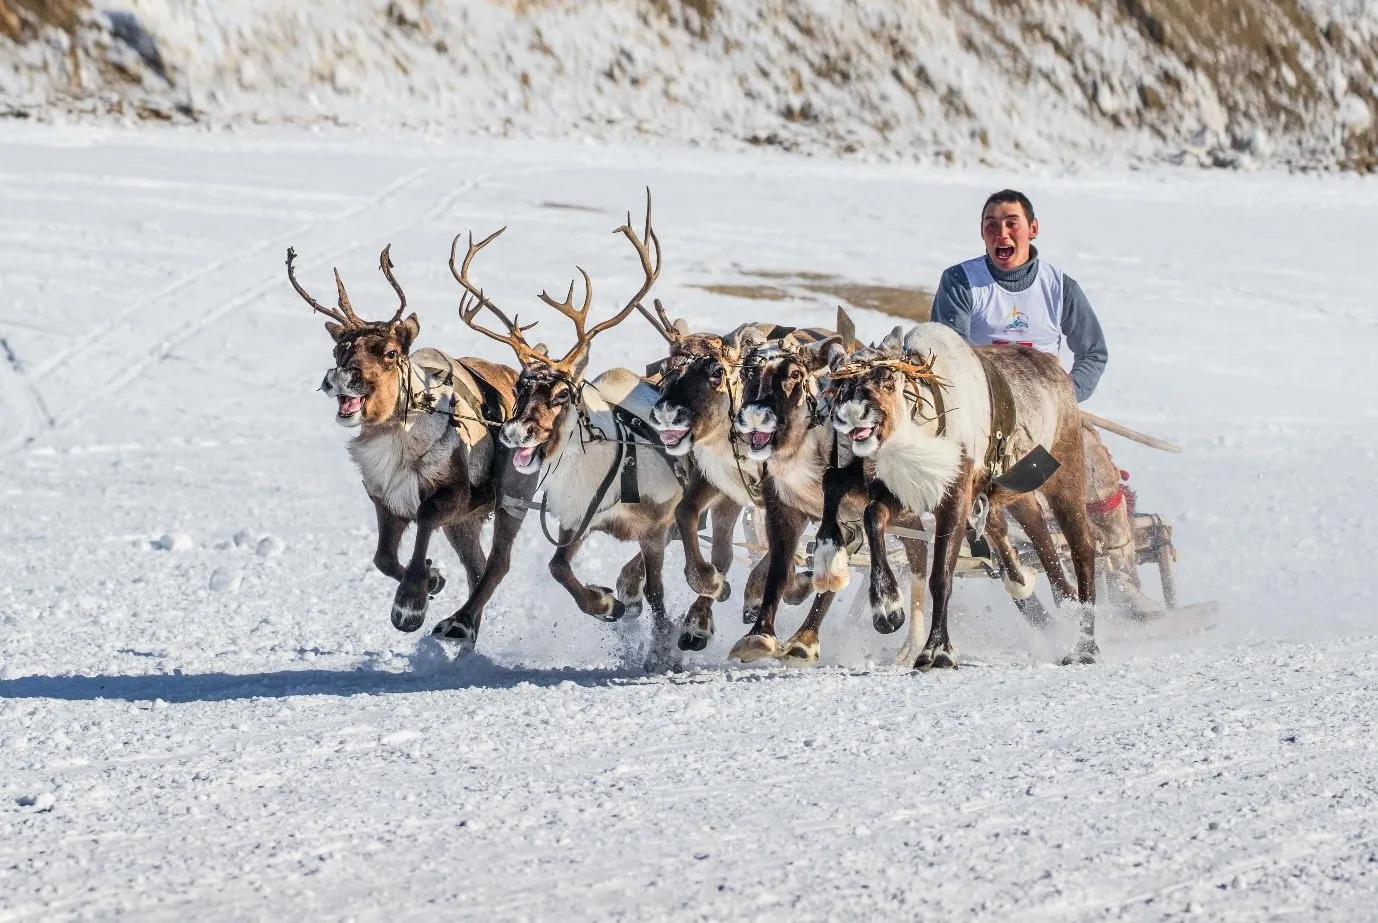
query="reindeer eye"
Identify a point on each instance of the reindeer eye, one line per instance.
(795, 374)
(560, 397)
(715, 374)
(390, 355)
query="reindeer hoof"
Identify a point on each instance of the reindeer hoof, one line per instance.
(409, 607)
(457, 632)
(695, 634)
(606, 607)
(435, 580)
(749, 614)
(935, 659)
(831, 572)
(706, 582)
(725, 593)
(755, 647)
(1087, 652)
(801, 650)
(799, 588)
(887, 613)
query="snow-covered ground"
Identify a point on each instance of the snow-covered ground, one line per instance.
(230, 725)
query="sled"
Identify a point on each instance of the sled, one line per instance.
(1153, 543)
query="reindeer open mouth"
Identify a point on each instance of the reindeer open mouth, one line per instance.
(527, 458)
(857, 421)
(671, 438)
(350, 405)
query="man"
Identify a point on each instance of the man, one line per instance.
(1010, 295)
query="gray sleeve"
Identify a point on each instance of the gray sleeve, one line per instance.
(1084, 337)
(952, 303)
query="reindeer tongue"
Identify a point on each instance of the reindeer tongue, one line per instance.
(759, 439)
(672, 437)
(522, 457)
(350, 405)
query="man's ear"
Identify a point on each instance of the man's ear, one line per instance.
(407, 331)
(335, 330)
(1033, 229)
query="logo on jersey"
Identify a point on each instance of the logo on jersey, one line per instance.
(1016, 320)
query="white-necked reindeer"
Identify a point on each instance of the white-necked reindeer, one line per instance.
(424, 450)
(578, 436)
(936, 420)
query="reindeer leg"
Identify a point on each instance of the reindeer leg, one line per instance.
(1029, 515)
(949, 533)
(597, 601)
(390, 530)
(917, 553)
(1070, 512)
(755, 591)
(409, 603)
(1018, 579)
(662, 655)
(802, 647)
(704, 578)
(466, 538)
(830, 571)
(631, 582)
(724, 516)
(784, 527)
(462, 627)
(887, 603)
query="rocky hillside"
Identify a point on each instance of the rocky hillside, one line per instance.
(1224, 83)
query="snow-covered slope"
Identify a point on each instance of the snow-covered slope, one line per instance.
(1232, 82)
(203, 707)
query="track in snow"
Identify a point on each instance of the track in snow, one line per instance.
(271, 749)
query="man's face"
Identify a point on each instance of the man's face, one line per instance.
(1007, 232)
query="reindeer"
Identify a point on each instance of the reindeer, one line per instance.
(700, 384)
(779, 428)
(936, 421)
(424, 449)
(579, 437)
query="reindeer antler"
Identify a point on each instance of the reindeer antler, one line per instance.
(474, 301)
(648, 250)
(385, 264)
(349, 319)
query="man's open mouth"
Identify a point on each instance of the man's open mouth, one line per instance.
(672, 437)
(761, 439)
(862, 433)
(350, 404)
(1004, 253)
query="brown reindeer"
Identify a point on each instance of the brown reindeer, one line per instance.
(579, 435)
(936, 421)
(778, 425)
(424, 449)
(699, 385)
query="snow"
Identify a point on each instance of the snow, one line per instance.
(235, 728)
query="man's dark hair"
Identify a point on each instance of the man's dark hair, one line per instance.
(1010, 195)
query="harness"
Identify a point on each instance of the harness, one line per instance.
(450, 387)
(624, 467)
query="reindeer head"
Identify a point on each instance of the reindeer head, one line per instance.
(869, 389)
(697, 385)
(367, 378)
(779, 394)
(548, 390)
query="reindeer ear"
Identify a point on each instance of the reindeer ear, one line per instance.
(335, 330)
(894, 341)
(542, 349)
(821, 353)
(746, 337)
(407, 331)
(681, 327)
